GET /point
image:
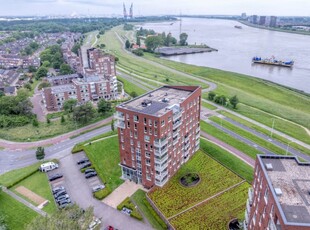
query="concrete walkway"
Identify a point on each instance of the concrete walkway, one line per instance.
(121, 193)
(29, 205)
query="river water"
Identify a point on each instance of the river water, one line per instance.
(238, 46)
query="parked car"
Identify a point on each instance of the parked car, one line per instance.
(98, 187)
(49, 166)
(91, 174)
(62, 197)
(85, 165)
(61, 193)
(96, 222)
(64, 205)
(66, 201)
(58, 189)
(89, 170)
(110, 228)
(82, 161)
(55, 176)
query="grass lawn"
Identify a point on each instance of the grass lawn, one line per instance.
(144, 206)
(208, 106)
(38, 183)
(227, 159)
(265, 131)
(174, 198)
(283, 126)
(266, 144)
(104, 155)
(17, 175)
(217, 212)
(130, 87)
(44, 130)
(17, 215)
(210, 129)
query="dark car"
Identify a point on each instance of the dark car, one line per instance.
(62, 197)
(89, 170)
(55, 177)
(66, 201)
(91, 174)
(64, 205)
(82, 161)
(58, 189)
(85, 165)
(61, 193)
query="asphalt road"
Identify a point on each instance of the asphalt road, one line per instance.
(10, 160)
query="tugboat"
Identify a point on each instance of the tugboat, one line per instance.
(272, 61)
(238, 27)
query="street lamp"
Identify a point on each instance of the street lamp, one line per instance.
(288, 144)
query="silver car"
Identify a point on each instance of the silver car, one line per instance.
(98, 187)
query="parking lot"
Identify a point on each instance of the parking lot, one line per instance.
(80, 191)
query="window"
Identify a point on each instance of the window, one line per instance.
(132, 149)
(169, 118)
(146, 138)
(147, 154)
(148, 177)
(128, 124)
(264, 212)
(136, 134)
(150, 122)
(144, 121)
(162, 123)
(138, 144)
(150, 131)
(155, 123)
(155, 132)
(145, 129)
(127, 116)
(122, 138)
(131, 141)
(130, 133)
(135, 126)
(147, 161)
(146, 146)
(136, 118)
(266, 195)
(254, 218)
(123, 147)
(122, 131)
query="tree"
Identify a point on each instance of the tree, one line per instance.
(62, 119)
(40, 153)
(75, 48)
(127, 44)
(104, 106)
(65, 69)
(133, 94)
(32, 69)
(44, 84)
(41, 72)
(138, 52)
(112, 125)
(48, 121)
(71, 217)
(98, 36)
(46, 64)
(234, 101)
(211, 95)
(222, 100)
(102, 46)
(83, 113)
(69, 105)
(153, 42)
(35, 123)
(1, 93)
(183, 38)
(28, 86)
(138, 41)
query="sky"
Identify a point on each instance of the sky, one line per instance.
(155, 7)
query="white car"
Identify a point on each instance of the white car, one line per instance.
(96, 222)
(98, 187)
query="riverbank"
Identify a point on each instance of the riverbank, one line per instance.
(171, 51)
(273, 29)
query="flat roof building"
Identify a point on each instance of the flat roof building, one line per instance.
(158, 132)
(280, 197)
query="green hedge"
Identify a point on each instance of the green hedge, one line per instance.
(90, 167)
(154, 214)
(102, 193)
(127, 203)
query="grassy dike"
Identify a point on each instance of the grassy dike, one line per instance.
(252, 92)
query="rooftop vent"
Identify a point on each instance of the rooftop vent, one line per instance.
(278, 191)
(269, 167)
(165, 100)
(146, 103)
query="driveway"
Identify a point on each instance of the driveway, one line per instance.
(80, 192)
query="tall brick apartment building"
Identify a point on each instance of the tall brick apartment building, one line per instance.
(280, 197)
(96, 81)
(158, 132)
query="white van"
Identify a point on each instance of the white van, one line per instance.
(48, 166)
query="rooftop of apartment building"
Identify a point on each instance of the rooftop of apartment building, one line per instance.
(62, 88)
(156, 102)
(290, 183)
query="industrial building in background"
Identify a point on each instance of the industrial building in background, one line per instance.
(280, 196)
(158, 132)
(130, 15)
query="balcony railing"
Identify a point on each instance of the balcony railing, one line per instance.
(177, 115)
(245, 226)
(176, 133)
(161, 183)
(198, 129)
(272, 225)
(161, 176)
(120, 124)
(251, 193)
(197, 135)
(246, 216)
(177, 125)
(186, 139)
(160, 142)
(160, 152)
(186, 146)
(175, 141)
(119, 116)
(161, 160)
(248, 207)
(162, 167)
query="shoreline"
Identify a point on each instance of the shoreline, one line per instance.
(174, 51)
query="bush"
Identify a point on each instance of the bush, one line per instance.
(138, 52)
(23, 178)
(13, 121)
(90, 167)
(102, 193)
(127, 203)
(77, 148)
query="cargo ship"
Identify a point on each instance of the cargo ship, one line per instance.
(272, 61)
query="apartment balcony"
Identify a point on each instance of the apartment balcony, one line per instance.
(186, 146)
(161, 183)
(248, 206)
(198, 129)
(251, 194)
(175, 141)
(186, 139)
(161, 160)
(245, 226)
(120, 124)
(177, 125)
(177, 115)
(160, 142)
(196, 148)
(160, 152)
(246, 216)
(162, 167)
(175, 134)
(119, 116)
(197, 135)
(273, 226)
(161, 176)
